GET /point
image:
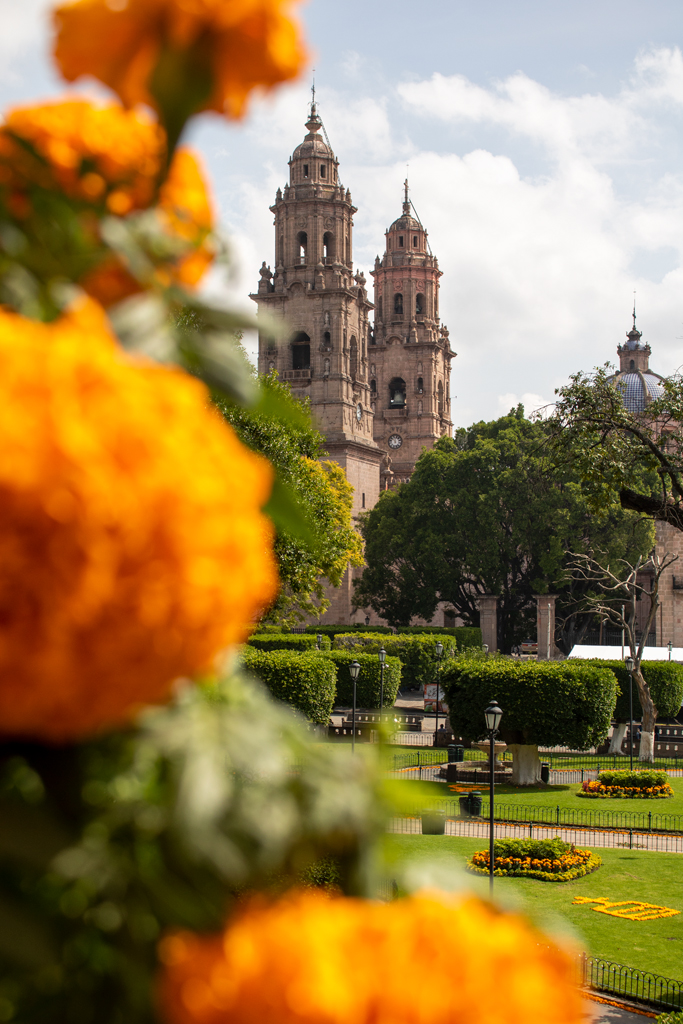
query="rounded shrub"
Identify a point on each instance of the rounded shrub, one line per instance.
(306, 681)
(549, 703)
(369, 679)
(664, 678)
(287, 642)
(416, 653)
(548, 860)
(332, 630)
(465, 637)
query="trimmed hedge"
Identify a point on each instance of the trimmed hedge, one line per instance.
(416, 652)
(307, 681)
(465, 636)
(549, 703)
(664, 678)
(334, 630)
(270, 627)
(369, 678)
(287, 642)
(621, 783)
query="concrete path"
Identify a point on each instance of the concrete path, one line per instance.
(603, 1014)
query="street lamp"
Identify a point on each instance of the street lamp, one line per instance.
(319, 639)
(671, 647)
(439, 655)
(492, 717)
(354, 669)
(629, 668)
(382, 655)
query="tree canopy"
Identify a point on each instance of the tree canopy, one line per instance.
(489, 511)
(306, 559)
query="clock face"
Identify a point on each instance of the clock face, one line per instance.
(359, 412)
(395, 441)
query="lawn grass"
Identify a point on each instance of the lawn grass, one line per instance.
(625, 875)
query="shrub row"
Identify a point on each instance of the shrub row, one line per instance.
(369, 679)
(333, 630)
(664, 678)
(464, 636)
(564, 704)
(306, 681)
(287, 642)
(416, 652)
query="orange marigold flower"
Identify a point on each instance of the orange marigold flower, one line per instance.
(239, 45)
(132, 545)
(98, 153)
(311, 959)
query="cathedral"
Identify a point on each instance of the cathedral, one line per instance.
(377, 373)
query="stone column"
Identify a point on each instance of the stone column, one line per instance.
(545, 617)
(488, 620)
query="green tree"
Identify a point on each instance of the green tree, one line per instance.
(489, 512)
(308, 559)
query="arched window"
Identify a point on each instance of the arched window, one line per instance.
(398, 303)
(632, 365)
(323, 171)
(354, 356)
(327, 340)
(305, 170)
(373, 387)
(419, 304)
(420, 385)
(301, 351)
(328, 247)
(415, 241)
(400, 240)
(440, 398)
(302, 242)
(397, 393)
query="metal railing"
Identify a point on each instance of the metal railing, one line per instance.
(630, 982)
(641, 821)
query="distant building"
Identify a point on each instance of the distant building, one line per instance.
(379, 392)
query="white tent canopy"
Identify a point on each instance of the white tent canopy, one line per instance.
(605, 653)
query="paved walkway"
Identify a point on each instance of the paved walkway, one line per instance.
(613, 1015)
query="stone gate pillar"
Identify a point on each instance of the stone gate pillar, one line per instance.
(545, 626)
(488, 620)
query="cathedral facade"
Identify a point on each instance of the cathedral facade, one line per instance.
(379, 386)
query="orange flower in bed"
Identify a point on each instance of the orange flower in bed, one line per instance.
(311, 959)
(220, 50)
(132, 545)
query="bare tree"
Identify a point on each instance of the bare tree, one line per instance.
(621, 589)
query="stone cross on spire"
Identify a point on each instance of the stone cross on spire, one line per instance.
(406, 200)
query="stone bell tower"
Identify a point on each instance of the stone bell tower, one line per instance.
(321, 309)
(410, 354)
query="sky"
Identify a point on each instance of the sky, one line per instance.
(543, 145)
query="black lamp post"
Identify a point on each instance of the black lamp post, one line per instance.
(629, 668)
(439, 654)
(492, 716)
(671, 647)
(354, 669)
(382, 655)
(319, 639)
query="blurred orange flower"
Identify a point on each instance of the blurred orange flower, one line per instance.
(100, 154)
(311, 959)
(110, 160)
(132, 545)
(238, 45)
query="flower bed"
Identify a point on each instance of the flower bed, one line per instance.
(550, 860)
(624, 784)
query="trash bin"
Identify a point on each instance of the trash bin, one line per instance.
(455, 752)
(451, 753)
(475, 803)
(433, 823)
(465, 806)
(545, 772)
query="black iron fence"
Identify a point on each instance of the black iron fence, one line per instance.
(641, 821)
(558, 762)
(630, 983)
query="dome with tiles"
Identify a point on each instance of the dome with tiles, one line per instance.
(638, 384)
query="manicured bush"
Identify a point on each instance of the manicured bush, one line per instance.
(416, 653)
(270, 627)
(465, 636)
(287, 642)
(332, 630)
(549, 703)
(622, 784)
(549, 860)
(369, 679)
(664, 678)
(307, 681)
